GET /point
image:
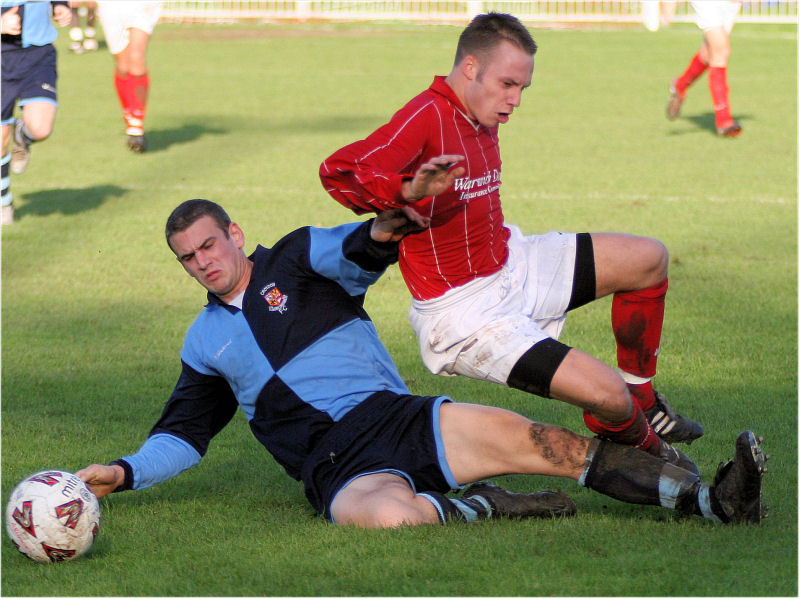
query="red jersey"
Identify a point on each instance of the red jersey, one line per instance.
(466, 238)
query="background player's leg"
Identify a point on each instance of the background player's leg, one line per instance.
(719, 51)
(35, 125)
(678, 87)
(6, 202)
(132, 83)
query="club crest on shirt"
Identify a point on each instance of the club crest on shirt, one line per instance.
(274, 297)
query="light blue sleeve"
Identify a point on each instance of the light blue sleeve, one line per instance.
(327, 258)
(160, 458)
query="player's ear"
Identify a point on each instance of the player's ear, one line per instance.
(236, 233)
(469, 67)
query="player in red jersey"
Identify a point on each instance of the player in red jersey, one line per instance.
(716, 19)
(489, 302)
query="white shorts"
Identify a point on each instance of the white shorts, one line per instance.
(481, 329)
(119, 16)
(716, 13)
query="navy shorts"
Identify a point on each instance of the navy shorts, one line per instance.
(386, 433)
(29, 75)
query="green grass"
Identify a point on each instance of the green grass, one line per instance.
(94, 307)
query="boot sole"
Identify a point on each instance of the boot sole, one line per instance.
(749, 451)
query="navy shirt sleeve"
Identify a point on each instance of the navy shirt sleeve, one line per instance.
(365, 252)
(200, 407)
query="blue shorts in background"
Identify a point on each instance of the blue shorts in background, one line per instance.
(29, 75)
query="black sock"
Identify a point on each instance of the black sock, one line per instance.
(634, 476)
(23, 133)
(6, 200)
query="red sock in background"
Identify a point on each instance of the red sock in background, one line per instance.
(139, 88)
(132, 91)
(696, 68)
(637, 318)
(121, 85)
(718, 84)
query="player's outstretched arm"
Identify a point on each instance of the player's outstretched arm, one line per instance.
(100, 479)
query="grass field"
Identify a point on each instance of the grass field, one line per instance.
(94, 307)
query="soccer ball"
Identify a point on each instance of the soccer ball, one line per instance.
(52, 516)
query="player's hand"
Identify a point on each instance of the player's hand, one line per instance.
(434, 177)
(100, 479)
(394, 224)
(62, 14)
(11, 22)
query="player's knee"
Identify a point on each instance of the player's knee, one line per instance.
(611, 401)
(394, 514)
(656, 261)
(137, 61)
(39, 130)
(719, 53)
(721, 56)
(388, 513)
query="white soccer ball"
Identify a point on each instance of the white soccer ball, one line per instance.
(52, 516)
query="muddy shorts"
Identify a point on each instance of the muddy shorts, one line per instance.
(482, 328)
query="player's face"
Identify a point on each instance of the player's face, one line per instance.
(213, 257)
(495, 85)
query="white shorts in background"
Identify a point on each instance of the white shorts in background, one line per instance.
(481, 329)
(118, 16)
(716, 13)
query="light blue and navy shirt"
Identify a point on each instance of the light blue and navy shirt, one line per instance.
(298, 356)
(37, 26)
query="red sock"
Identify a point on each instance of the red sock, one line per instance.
(132, 91)
(637, 318)
(696, 68)
(718, 84)
(139, 86)
(643, 394)
(121, 85)
(636, 432)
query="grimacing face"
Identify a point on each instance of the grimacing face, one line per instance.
(215, 259)
(496, 83)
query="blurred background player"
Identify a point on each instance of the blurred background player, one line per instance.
(127, 27)
(28, 76)
(716, 19)
(666, 12)
(83, 38)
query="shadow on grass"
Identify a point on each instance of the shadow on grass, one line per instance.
(161, 139)
(67, 201)
(705, 121)
(329, 123)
